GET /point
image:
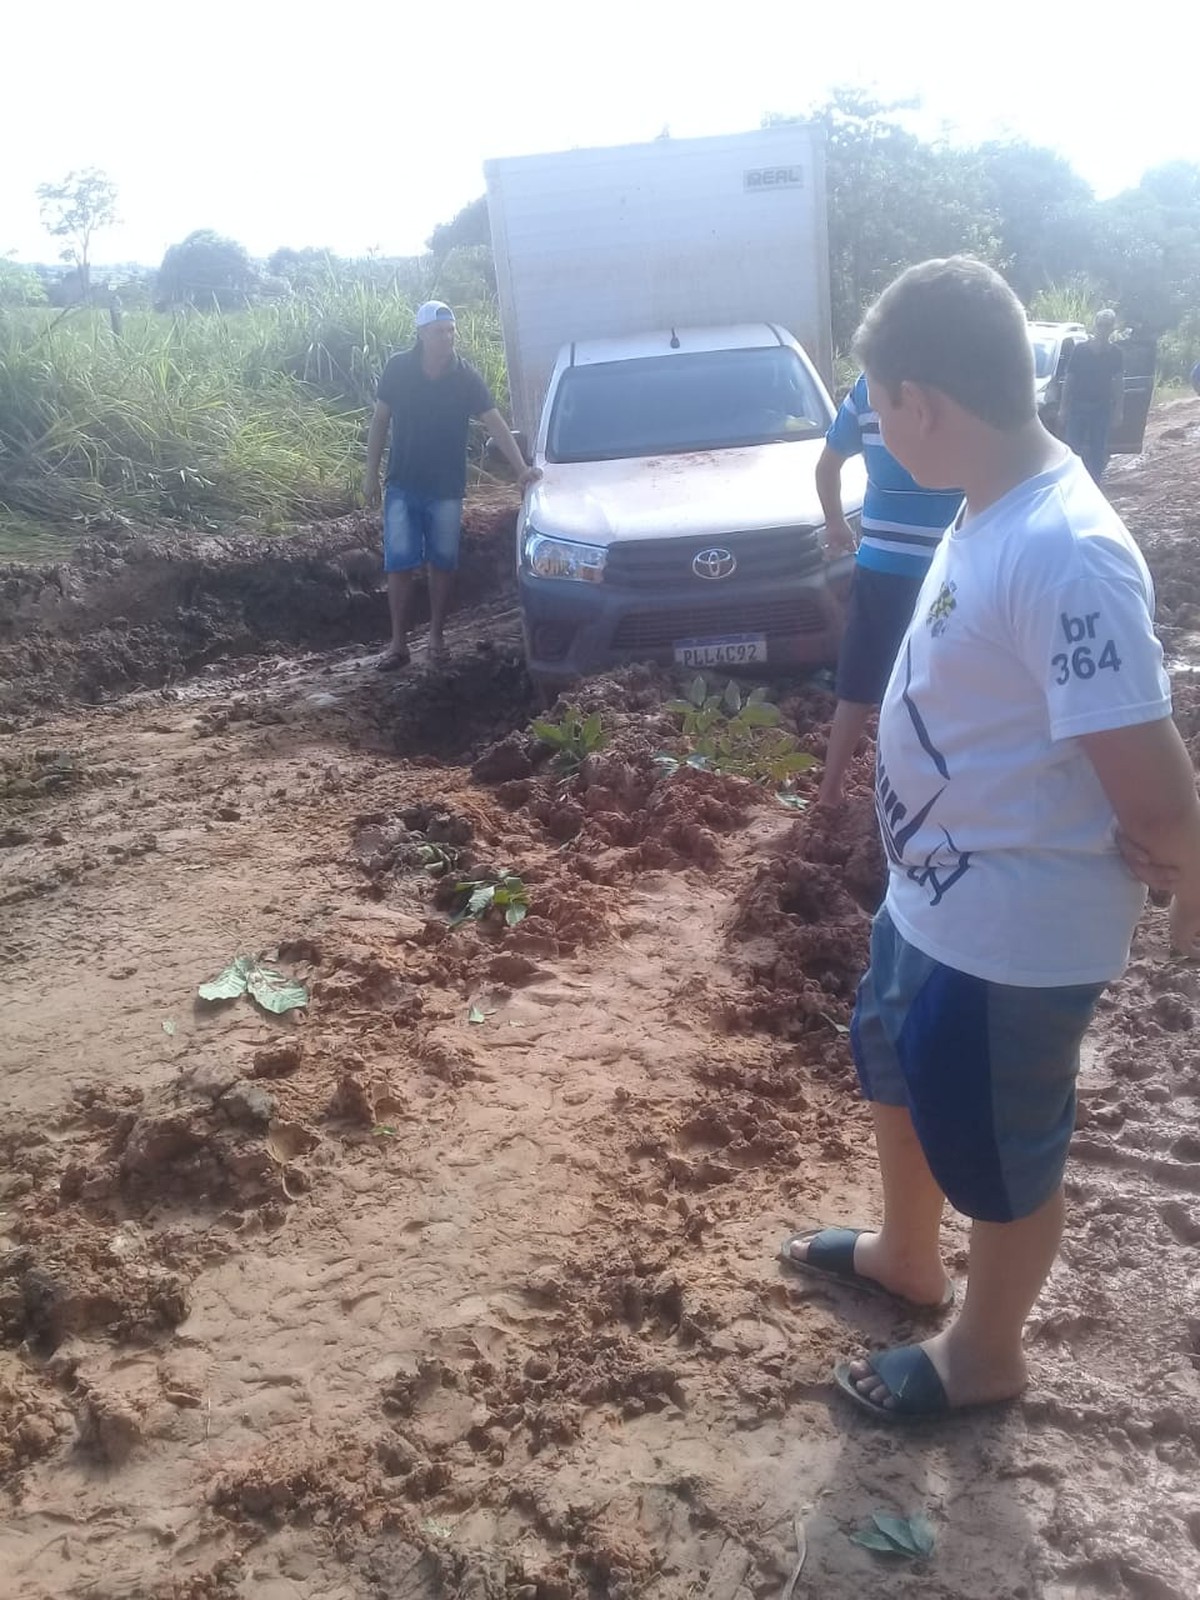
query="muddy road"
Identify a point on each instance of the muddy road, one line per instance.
(460, 1282)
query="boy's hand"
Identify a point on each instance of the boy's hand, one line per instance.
(1159, 878)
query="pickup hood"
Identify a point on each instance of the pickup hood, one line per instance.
(697, 495)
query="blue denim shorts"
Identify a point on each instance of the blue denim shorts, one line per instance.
(418, 529)
(987, 1071)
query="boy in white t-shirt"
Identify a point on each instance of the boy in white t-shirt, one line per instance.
(1027, 720)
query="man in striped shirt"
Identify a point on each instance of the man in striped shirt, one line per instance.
(902, 525)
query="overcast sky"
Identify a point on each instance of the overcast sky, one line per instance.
(360, 126)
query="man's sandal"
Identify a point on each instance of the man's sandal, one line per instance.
(913, 1383)
(830, 1256)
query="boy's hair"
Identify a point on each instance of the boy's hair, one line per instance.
(956, 326)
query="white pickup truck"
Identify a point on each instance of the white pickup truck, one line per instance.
(646, 296)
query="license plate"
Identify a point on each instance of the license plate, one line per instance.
(738, 650)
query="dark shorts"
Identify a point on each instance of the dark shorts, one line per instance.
(880, 609)
(418, 529)
(986, 1070)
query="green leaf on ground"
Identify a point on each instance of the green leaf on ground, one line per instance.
(922, 1533)
(168, 1028)
(898, 1531)
(230, 983)
(870, 1540)
(476, 1015)
(275, 991)
(911, 1537)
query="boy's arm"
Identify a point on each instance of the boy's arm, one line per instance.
(1147, 775)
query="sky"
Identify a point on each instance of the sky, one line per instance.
(360, 126)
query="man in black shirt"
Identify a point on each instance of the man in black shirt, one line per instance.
(426, 399)
(1094, 394)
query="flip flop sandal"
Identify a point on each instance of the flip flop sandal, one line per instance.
(912, 1381)
(392, 661)
(831, 1256)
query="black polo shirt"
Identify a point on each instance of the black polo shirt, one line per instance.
(430, 420)
(1093, 370)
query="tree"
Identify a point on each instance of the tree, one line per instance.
(1146, 247)
(468, 227)
(206, 270)
(1043, 213)
(78, 208)
(305, 269)
(893, 200)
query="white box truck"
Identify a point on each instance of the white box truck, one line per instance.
(666, 324)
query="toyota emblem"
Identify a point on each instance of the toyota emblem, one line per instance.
(714, 564)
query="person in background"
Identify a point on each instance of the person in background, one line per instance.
(425, 400)
(1093, 400)
(901, 526)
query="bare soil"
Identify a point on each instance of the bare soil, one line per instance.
(375, 1299)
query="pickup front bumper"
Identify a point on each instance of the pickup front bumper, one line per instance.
(575, 629)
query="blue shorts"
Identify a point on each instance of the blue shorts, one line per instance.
(418, 529)
(986, 1070)
(877, 618)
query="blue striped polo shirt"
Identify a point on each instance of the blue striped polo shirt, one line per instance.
(902, 523)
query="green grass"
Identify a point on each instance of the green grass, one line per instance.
(1076, 300)
(199, 419)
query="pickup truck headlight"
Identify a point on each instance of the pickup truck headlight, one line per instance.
(559, 558)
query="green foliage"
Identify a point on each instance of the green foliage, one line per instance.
(731, 734)
(911, 1537)
(895, 199)
(1179, 350)
(437, 859)
(469, 227)
(495, 892)
(306, 269)
(1040, 213)
(272, 990)
(201, 419)
(207, 271)
(572, 738)
(20, 286)
(1075, 299)
(467, 276)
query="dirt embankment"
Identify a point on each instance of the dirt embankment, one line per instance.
(460, 1282)
(136, 610)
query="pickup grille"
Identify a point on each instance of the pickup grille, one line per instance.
(770, 555)
(659, 630)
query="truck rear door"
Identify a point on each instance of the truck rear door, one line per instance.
(1140, 357)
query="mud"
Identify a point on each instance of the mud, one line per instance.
(461, 1281)
(138, 610)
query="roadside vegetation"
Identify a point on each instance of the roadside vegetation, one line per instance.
(217, 389)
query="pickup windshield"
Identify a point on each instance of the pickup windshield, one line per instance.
(699, 400)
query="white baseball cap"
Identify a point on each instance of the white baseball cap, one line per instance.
(433, 311)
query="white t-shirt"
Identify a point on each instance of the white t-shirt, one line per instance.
(1033, 626)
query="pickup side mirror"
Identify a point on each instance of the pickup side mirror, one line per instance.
(495, 462)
